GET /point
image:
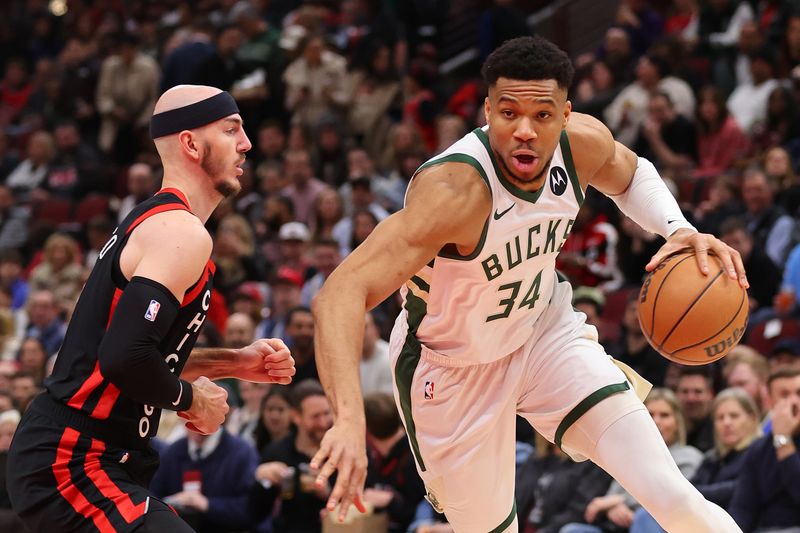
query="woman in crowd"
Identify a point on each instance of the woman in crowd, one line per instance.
(32, 358)
(274, 422)
(614, 512)
(328, 210)
(60, 270)
(735, 427)
(720, 140)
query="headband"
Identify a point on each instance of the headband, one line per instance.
(193, 115)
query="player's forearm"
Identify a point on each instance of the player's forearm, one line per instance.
(338, 341)
(213, 363)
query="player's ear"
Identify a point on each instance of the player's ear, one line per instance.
(567, 111)
(487, 108)
(189, 143)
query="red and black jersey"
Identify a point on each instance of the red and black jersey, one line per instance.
(76, 380)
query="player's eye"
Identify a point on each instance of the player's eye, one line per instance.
(544, 115)
(507, 113)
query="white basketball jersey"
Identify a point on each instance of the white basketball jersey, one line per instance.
(481, 307)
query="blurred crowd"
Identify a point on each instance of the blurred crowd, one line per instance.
(344, 100)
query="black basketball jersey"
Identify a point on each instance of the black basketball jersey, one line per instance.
(76, 380)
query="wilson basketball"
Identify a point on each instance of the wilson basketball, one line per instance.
(690, 318)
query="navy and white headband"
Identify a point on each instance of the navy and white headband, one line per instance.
(193, 115)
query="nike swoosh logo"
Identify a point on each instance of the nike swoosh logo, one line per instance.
(499, 215)
(671, 221)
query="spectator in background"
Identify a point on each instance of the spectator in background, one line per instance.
(771, 227)
(300, 339)
(785, 302)
(641, 22)
(303, 188)
(748, 370)
(363, 222)
(614, 512)
(634, 249)
(325, 258)
(767, 495)
(44, 322)
(23, 389)
(277, 210)
(626, 113)
(720, 141)
(141, 186)
(598, 88)
(15, 91)
(60, 270)
(181, 64)
(780, 123)
(220, 67)
(32, 359)
(75, 170)
(78, 70)
(667, 138)
(748, 102)
(239, 331)
(9, 419)
(285, 296)
(207, 479)
(328, 211)
(735, 428)
(392, 485)
(722, 203)
(552, 490)
(32, 171)
(8, 159)
(420, 104)
(99, 230)
(695, 393)
(271, 143)
(13, 221)
(315, 83)
(778, 168)
(375, 367)
(126, 94)
(294, 238)
(284, 473)
(634, 350)
(11, 278)
(589, 255)
(274, 421)
(234, 254)
(766, 276)
(363, 201)
(243, 420)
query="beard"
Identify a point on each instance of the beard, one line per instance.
(215, 168)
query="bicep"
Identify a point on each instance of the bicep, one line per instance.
(615, 175)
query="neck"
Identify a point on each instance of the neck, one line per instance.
(197, 188)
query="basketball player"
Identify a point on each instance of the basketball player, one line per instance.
(80, 459)
(487, 330)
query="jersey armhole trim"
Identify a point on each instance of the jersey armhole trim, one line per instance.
(450, 250)
(566, 151)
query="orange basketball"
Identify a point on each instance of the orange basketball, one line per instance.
(690, 318)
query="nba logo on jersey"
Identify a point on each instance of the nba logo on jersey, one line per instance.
(152, 311)
(429, 390)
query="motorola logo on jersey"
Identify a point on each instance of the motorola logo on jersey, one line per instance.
(558, 180)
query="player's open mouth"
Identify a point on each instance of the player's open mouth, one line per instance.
(524, 162)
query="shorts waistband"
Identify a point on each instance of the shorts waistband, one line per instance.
(112, 433)
(451, 362)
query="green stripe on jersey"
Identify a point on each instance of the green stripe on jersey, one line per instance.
(406, 366)
(566, 151)
(529, 196)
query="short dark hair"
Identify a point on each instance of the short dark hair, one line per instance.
(702, 371)
(305, 389)
(783, 373)
(297, 310)
(528, 58)
(381, 415)
(732, 225)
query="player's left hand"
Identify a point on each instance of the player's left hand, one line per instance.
(702, 243)
(265, 361)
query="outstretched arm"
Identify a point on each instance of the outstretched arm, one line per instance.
(633, 183)
(446, 204)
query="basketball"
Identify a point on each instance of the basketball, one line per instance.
(690, 318)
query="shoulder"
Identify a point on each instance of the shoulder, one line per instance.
(591, 142)
(449, 189)
(175, 229)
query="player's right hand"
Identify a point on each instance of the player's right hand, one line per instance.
(209, 407)
(344, 449)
